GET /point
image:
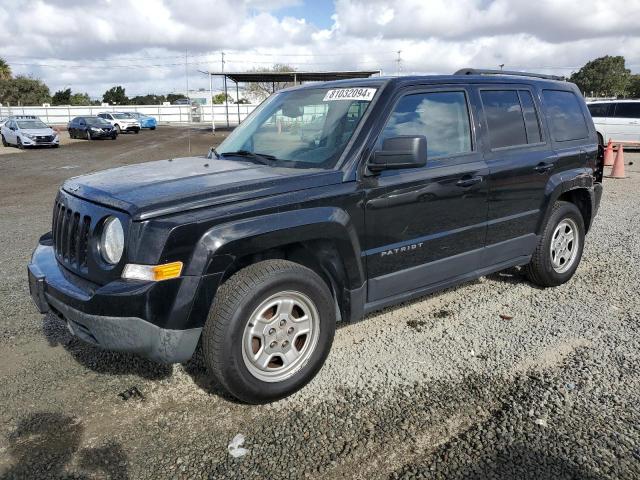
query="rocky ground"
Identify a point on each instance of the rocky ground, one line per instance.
(443, 387)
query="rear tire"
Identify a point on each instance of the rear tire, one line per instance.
(559, 249)
(152, 128)
(269, 330)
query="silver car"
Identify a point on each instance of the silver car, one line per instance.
(28, 132)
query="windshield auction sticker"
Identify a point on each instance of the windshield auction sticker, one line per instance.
(350, 94)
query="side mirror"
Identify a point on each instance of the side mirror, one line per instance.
(407, 151)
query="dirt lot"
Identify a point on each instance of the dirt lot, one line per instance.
(437, 388)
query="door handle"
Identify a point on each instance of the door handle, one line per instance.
(543, 167)
(468, 181)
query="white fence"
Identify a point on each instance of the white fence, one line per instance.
(166, 114)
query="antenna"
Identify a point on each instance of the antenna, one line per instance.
(399, 61)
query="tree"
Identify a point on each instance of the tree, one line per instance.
(5, 70)
(115, 96)
(262, 90)
(61, 97)
(604, 76)
(172, 97)
(80, 99)
(219, 99)
(147, 100)
(243, 101)
(23, 90)
(634, 86)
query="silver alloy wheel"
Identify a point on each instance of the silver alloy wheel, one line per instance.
(564, 245)
(280, 336)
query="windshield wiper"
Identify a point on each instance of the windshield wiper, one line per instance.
(262, 158)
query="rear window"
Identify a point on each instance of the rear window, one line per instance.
(599, 109)
(565, 115)
(627, 110)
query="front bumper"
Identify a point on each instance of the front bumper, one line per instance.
(104, 133)
(29, 142)
(95, 314)
(130, 128)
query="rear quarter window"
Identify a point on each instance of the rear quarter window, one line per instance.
(565, 115)
(627, 110)
(599, 109)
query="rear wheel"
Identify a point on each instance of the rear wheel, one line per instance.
(559, 249)
(269, 330)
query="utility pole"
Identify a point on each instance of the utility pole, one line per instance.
(398, 61)
(224, 79)
(186, 75)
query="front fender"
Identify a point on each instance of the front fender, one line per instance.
(221, 245)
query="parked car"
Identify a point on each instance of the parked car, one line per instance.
(414, 185)
(146, 121)
(618, 120)
(121, 121)
(181, 101)
(91, 128)
(28, 132)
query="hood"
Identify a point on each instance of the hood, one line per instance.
(148, 190)
(38, 131)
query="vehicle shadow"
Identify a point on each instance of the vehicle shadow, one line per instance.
(513, 276)
(98, 360)
(205, 380)
(44, 444)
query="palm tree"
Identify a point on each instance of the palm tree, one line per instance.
(5, 70)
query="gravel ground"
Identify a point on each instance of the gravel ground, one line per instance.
(437, 388)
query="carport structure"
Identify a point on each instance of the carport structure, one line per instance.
(265, 77)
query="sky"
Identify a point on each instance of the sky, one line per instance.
(90, 46)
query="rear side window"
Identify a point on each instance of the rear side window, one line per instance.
(504, 118)
(531, 123)
(442, 117)
(627, 110)
(599, 109)
(565, 115)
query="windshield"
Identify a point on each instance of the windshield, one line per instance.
(301, 128)
(29, 124)
(121, 116)
(97, 121)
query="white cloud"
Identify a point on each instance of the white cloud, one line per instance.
(140, 43)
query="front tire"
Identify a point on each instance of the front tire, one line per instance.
(559, 249)
(269, 330)
(89, 135)
(118, 129)
(4, 141)
(19, 144)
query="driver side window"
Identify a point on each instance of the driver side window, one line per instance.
(442, 117)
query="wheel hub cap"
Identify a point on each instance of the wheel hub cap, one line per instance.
(280, 336)
(564, 245)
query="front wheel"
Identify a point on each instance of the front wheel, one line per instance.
(19, 144)
(89, 135)
(269, 330)
(4, 141)
(559, 248)
(118, 129)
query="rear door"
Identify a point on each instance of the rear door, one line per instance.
(425, 226)
(626, 122)
(10, 134)
(520, 161)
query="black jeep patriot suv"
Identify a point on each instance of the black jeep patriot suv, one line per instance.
(328, 202)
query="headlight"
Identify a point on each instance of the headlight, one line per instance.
(96, 129)
(112, 240)
(28, 135)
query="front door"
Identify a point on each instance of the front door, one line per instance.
(426, 226)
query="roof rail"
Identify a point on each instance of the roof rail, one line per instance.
(480, 71)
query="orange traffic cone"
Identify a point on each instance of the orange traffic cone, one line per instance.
(618, 165)
(608, 154)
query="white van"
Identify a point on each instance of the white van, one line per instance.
(618, 120)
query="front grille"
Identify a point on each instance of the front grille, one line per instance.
(44, 139)
(70, 236)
